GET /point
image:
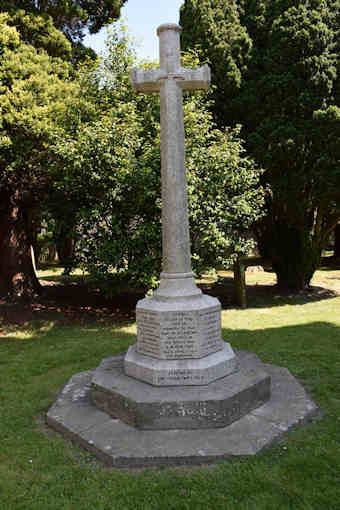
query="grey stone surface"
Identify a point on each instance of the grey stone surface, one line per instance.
(178, 322)
(191, 372)
(120, 445)
(179, 328)
(187, 407)
(169, 81)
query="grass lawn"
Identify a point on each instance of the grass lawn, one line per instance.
(40, 471)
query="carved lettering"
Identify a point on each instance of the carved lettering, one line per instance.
(148, 332)
(186, 376)
(180, 334)
(210, 321)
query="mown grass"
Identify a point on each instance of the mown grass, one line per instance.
(41, 471)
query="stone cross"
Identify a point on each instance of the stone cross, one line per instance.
(170, 81)
(179, 339)
(180, 374)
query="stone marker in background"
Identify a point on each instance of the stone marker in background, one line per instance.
(178, 326)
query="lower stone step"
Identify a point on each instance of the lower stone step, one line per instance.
(120, 445)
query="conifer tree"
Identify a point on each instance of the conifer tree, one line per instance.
(37, 93)
(288, 104)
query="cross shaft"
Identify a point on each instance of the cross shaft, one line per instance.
(170, 81)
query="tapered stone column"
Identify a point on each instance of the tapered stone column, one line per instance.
(178, 328)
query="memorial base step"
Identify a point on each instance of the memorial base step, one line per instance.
(141, 405)
(120, 445)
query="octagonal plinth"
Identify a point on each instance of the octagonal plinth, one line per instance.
(120, 445)
(187, 407)
(179, 328)
(182, 372)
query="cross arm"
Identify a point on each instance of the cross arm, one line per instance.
(146, 80)
(195, 79)
(149, 80)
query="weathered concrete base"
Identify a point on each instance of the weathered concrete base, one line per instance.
(185, 407)
(121, 445)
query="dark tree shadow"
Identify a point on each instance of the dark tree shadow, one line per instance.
(72, 304)
(265, 295)
(75, 302)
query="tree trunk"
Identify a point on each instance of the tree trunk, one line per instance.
(240, 289)
(35, 227)
(65, 243)
(337, 242)
(17, 276)
(65, 248)
(294, 254)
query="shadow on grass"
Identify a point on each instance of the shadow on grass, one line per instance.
(77, 305)
(265, 295)
(71, 304)
(311, 349)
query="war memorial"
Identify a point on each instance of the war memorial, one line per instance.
(180, 394)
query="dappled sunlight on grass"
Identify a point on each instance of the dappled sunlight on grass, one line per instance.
(55, 270)
(131, 330)
(327, 277)
(254, 276)
(32, 330)
(55, 273)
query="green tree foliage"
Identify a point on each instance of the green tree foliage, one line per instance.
(39, 32)
(288, 105)
(214, 29)
(37, 93)
(70, 17)
(118, 156)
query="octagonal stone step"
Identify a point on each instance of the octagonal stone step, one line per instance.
(120, 445)
(186, 407)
